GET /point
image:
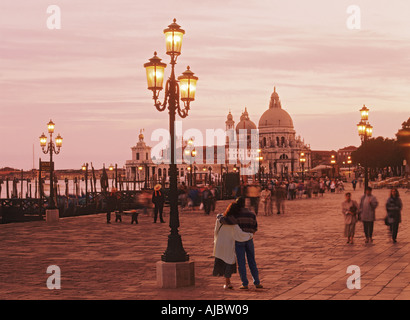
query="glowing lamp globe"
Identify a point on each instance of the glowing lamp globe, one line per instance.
(364, 113)
(173, 39)
(51, 127)
(59, 141)
(361, 128)
(369, 130)
(187, 85)
(43, 140)
(155, 73)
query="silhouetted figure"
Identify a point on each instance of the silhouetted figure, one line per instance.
(134, 216)
(158, 199)
(394, 206)
(111, 203)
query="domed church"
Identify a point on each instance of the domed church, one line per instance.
(280, 148)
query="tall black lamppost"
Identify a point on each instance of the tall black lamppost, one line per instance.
(51, 148)
(184, 88)
(85, 169)
(365, 132)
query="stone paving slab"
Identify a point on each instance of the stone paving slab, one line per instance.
(300, 255)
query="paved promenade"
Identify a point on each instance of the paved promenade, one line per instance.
(301, 255)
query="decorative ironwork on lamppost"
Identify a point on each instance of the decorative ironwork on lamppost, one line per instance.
(365, 131)
(51, 148)
(183, 89)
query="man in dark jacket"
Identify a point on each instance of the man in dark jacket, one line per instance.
(158, 199)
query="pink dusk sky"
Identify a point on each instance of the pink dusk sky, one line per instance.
(88, 77)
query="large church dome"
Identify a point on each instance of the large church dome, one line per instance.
(275, 116)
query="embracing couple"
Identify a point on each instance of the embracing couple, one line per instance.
(233, 242)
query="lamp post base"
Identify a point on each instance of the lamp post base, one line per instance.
(52, 215)
(171, 275)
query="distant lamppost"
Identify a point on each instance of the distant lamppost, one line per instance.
(111, 168)
(191, 154)
(184, 88)
(85, 169)
(138, 175)
(302, 161)
(365, 132)
(333, 163)
(349, 163)
(51, 148)
(260, 159)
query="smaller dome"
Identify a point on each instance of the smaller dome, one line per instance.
(229, 117)
(245, 123)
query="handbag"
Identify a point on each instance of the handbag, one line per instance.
(386, 221)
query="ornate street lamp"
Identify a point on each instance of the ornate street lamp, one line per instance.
(184, 88)
(365, 131)
(51, 148)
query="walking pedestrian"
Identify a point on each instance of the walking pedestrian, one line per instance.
(280, 196)
(354, 183)
(266, 198)
(367, 211)
(316, 187)
(253, 192)
(394, 206)
(193, 196)
(301, 189)
(245, 250)
(182, 195)
(111, 201)
(332, 186)
(224, 245)
(214, 193)
(322, 187)
(158, 199)
(350, 209)
(134, 216)
(207, 200)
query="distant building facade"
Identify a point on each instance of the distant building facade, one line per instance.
(275, 138)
